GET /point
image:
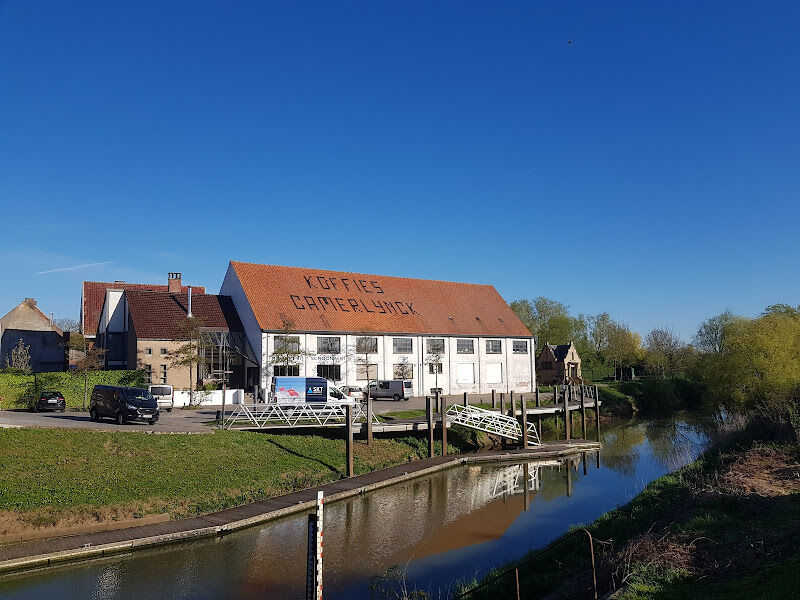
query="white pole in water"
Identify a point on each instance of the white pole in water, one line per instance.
(314, 571)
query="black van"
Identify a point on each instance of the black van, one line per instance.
(122, 404)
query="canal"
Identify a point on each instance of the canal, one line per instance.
(434, 530)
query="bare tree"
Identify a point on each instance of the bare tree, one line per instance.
(189, 354)
(663, 350)
(366, 344)
(92, 359)
(404, 369)
(287, 351)
(20, 357)
(67, 324)
(435, 360)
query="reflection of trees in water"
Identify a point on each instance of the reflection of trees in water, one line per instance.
(618, 448)
(674, 443)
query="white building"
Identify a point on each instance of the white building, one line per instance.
(459, 337)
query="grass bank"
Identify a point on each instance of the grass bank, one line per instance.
(726, 526)
(61, 478)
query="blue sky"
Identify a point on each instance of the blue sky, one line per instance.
(648, 169)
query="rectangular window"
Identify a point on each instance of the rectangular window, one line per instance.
(434, 368)
(284, 371)
(329, 345)
(403, 371)
(494, 373)
(465, 373)
(148, 351)
(403, 345)
(163, 374)
(465, 346)
(494, 346)
(332, 372)
(366, 345)
(287, 343)
(434, 346)
(519, 347)
(366, 372)
(163, 351)
(116, 348)
(148, 374)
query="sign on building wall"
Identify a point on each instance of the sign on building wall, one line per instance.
(343, 294)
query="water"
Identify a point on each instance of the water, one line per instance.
(454, 524)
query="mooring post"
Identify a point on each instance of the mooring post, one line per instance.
(493, 401)
(349, 440)
(583, 412)
(429, 413)
(443, 408)
(567, 394)
(597, 413)
(526, 473)
(465, 399)
(502, 401)
(314, 562)
(369, 419)
(524, 428)
(512, 408)
(539, 416)
(569, 479)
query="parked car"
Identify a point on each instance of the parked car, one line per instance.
(397, 389)
(164, 395)
(49, 401)
(353, 390)
(123, 404)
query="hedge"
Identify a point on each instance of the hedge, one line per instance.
(17, 389)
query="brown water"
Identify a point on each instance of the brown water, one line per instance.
(455, 524)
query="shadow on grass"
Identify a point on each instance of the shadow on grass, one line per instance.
(301, 455)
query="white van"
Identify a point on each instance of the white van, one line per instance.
(164, 395)
(300, 390)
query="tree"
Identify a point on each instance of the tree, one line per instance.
(624, 346)
(287, 351)
(20, 357)
(188, 354)
(663, 351)
(366, 344)
(710, 336)
(92, 359)
(435, 359)
(67, 324)
(404, 369)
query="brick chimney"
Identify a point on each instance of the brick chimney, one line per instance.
(174, 283)
(30, 302)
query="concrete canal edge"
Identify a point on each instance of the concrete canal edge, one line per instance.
(90, 545)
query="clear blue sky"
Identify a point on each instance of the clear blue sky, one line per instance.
(649, 169)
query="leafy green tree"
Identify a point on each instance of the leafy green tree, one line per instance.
(710, 336)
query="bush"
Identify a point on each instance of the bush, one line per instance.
(654, 396)
(18, 390)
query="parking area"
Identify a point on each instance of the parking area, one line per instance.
(177, 421)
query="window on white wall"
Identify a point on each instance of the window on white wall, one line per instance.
(465, 346)
(403, 371)
(434, 346)
(403, 345)
(366, 372)
(465, 372)
(329, 345)
(366, 345)
(494, 346)
(519, 347)
(494, 373)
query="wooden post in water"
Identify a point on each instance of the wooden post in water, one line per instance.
(494, 405)
(524, 432)
(443, 409)
(567, 394)
(429, 413)
(348, 411)
(597, 416)
(583, 413)
(465, 399)
(369, 419)
(569, 478)
(502, 398)
(526, 473)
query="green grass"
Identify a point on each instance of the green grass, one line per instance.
(403, 414)
(52, 474)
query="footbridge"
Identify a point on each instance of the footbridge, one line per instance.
(492, 422)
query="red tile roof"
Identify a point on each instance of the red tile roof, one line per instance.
(317, 300)
(159, 315)
(94, 294)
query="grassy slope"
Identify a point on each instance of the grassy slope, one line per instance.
(688, 534)
(59, 476)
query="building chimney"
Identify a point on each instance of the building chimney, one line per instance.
(30, 302)
(189, 307)
(174, 283)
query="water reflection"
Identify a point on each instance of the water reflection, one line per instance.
(457, 523)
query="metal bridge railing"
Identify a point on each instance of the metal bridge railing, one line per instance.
(322, 414)
(490, 422)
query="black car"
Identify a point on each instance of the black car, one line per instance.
(123, 404)
(49, 401)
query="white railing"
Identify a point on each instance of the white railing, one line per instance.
(491, 422)
(317, 414)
